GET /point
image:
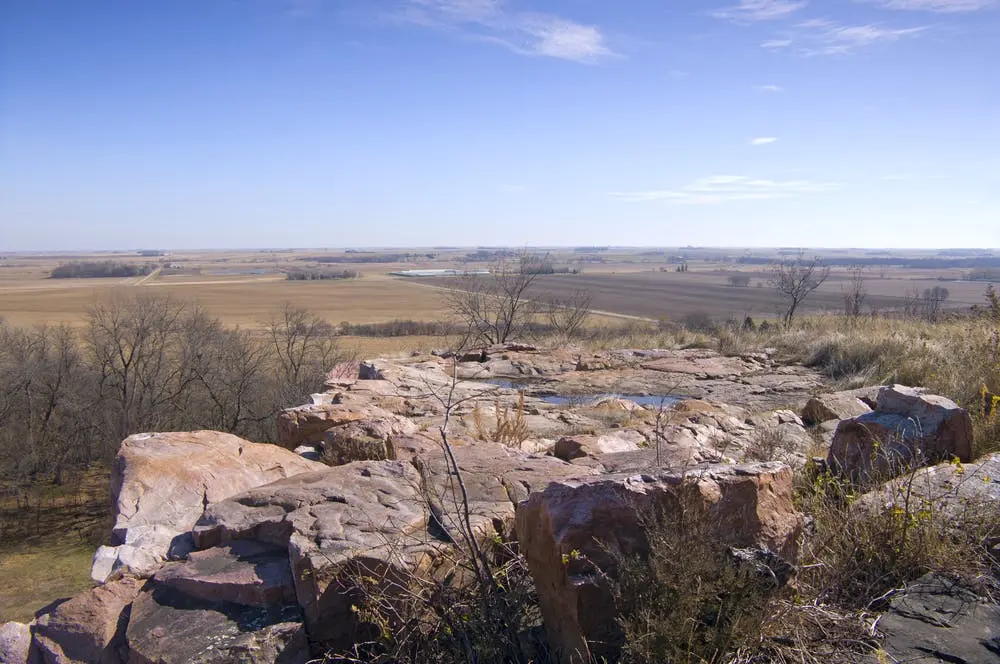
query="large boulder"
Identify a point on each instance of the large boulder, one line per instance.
(934, 619)
(569, 530)
(375, 517)
(161, 483)
(833, 406)
(327, 520)
(170, 627)
(968, 491)
(568, 448)
(305, 425)
(907, 427)
(366, 439)
(90, 628)
(15, 643)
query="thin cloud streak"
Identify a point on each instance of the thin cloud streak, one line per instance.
(763, 140)
(768, 88)
(726, 188)
(753, 11)
(937, 6)
(524, 33)
(823, 37)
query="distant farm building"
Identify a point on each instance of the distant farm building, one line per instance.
(437, 273)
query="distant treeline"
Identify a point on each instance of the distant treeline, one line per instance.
(398, 328)
(984, 275)
(314, 275)
(354, 257)
(95, 269)
(893, 261)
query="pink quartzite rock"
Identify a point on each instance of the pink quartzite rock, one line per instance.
(90, 627)
(579, 519)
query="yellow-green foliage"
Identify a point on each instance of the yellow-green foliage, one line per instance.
(861, 547)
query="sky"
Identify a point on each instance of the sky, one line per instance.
(170, 124)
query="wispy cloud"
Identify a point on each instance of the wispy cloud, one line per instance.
(763, 140)
(725, 188)
(938, 6)
(524, 33)
(767, 88)
(824, 37)
(752, 11)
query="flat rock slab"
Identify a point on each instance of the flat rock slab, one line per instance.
(169, 627)
(956, 488)
(241, 572)
(935, 620)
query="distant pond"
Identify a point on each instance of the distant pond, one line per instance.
(531, 386)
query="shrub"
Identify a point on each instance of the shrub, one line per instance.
(862, 547)
(689, 601)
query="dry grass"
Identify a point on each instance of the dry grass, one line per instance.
(34, 577)
(861, 548)
(46, 548)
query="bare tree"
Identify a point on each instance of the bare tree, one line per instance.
(568, 316)
(495, 307)
(135, 343)
(796, 279)
(933, 300)
(854, 297)
(304, 345)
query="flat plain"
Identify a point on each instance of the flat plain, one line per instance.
(245, 287)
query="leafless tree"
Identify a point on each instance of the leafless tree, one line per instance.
(44, 402)
(134, 343)
(796, 279)
(495, 307)
(303, 344)
(568, 316)
(933, 300)
(857, 292)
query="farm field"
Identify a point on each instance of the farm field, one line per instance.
(245, 287)
(676, 295)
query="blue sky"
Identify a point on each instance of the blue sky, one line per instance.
(323, 123)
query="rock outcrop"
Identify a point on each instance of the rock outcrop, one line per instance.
(305, 425)
(907, 427)
(170, 627)
(389, 517)
(161, 483)
(936, 620)
(227, 550)
(622, 440)
(959, 489)
(833, 406)
(368, 439)
(90, 627)
(15, 643)
(567, 531)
